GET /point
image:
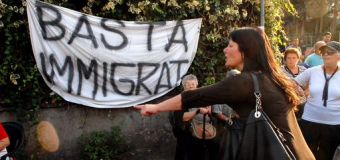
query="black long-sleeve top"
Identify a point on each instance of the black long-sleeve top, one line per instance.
(238, 92)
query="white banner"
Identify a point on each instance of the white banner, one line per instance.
(108, 63)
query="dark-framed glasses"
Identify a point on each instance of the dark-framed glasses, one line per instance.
(328, 52)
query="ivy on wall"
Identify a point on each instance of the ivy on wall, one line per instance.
(23, 90)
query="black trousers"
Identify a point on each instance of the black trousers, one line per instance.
(322, 139)
(197, 150)
(190, 148)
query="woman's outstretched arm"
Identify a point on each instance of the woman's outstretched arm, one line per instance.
(173, 103)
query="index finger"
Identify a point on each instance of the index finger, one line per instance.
(139, 106)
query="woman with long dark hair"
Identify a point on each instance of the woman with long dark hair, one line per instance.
(248, 51)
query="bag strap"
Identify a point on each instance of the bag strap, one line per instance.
(259, 107)
(257, 94)
(203, 136)
(260, 111)
(255, 82)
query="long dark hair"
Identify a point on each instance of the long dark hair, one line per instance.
(258, 56)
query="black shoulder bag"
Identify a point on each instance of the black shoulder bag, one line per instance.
(262, 140)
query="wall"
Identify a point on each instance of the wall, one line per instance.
(151, 138)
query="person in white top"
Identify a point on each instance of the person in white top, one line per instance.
(320, 122)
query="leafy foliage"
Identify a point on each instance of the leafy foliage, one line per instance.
(23, 89)
(103, 145)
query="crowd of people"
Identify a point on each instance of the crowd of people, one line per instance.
(320, 116)
(301, 97)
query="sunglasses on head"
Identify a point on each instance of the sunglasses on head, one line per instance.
(328, 52)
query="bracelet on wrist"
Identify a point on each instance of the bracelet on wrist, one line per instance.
(198, 111)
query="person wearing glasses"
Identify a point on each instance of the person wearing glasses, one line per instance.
(320, 122)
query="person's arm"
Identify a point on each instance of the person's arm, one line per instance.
(301, 82)
(304, 78)
(227, 120)
(218, 93)
(306, 90)
(191, 114)
(187, 116)
(221, 116)
(174, 103)
(299, 91)
(4, 143)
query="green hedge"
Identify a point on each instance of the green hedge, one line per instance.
(23, 90)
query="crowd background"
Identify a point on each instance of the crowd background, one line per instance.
(25, 97)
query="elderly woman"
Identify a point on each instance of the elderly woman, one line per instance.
(248, 51)
(189, 147)
(291, 68)
(320, 123)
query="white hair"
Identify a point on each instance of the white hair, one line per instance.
(232, 72)
(189, 77)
